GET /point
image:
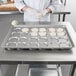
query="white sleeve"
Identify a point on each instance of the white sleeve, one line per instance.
(19, 4)
(55, 6)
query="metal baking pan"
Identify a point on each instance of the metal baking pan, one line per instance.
(38, 37)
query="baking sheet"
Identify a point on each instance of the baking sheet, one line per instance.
(38, 37)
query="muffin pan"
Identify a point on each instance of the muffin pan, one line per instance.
(38, 37)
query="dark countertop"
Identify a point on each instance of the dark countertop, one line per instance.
(54, 56)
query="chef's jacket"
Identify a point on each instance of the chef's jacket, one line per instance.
(39, 5)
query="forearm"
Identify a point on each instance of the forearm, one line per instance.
(55, 6)
(19, 4)
(24, 8)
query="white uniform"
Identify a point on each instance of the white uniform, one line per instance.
(39, 5)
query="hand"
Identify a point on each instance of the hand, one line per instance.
(44, 12)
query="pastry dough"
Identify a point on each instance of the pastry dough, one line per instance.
(42, 33)
(11, 44)
(42, 29)
(34, 29)
(33, 33)
(14, 23)
(51, 29)
(52, 34)
(60, 30)
(25, 30)
(61, 33)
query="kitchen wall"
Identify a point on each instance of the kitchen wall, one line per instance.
(71, 5)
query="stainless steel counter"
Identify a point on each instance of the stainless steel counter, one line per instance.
(14, 12)
(52, 57)
(64, 11)
(61, 14)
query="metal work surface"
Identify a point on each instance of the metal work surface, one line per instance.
(38, 37)
(17, 12)
(53, 56)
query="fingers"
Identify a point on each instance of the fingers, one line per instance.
(44, 12)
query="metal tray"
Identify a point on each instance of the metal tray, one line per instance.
(38, 37)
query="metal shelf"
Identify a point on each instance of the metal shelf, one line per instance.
(26, 70)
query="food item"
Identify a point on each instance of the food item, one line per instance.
(60, 30)
(52, 34)
(17, 29)
(33, 33)
(13, 44)
(42, 33)
(42, 39)
(25, 30)
(62, 41)
(34, 29)
(13, 39)
(64, 37)
(33, 39)
(54, 45)
(15, 34)
(42, 29)
(41, 44)
(23, 39)
(51, 29)
(33, 44)
(61, 33)
(14, 22)
(22, 44)
(64, 46)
